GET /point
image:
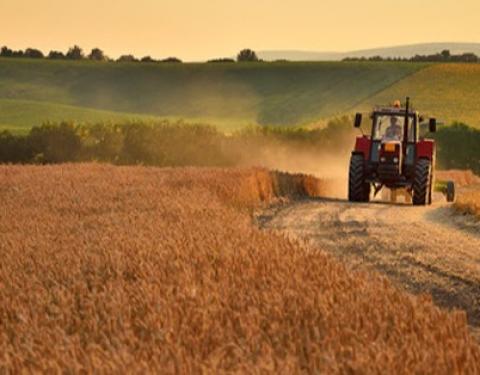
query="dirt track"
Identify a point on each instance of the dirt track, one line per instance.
(424, 250)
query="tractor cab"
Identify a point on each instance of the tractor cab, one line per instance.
(392, 154)
(393, 138)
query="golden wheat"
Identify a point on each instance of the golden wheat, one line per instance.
(116, 269)
(469, 202)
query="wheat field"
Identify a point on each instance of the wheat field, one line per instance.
(136, 269)
(469, 201)
(468, 198)
(461, 178)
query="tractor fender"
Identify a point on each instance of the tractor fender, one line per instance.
(426, 149)
(362, 146)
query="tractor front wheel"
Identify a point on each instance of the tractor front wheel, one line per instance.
(358, 189)
(422, 187)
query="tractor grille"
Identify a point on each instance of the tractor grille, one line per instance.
(388, 171)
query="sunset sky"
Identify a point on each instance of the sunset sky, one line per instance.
(201, 29)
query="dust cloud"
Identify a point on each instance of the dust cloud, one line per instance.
(330, 168)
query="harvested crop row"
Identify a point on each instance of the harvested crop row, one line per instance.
(460, 177)
(133, 269)
(469, 202)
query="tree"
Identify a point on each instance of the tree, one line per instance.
(56, 55)
(127, 58)
(247, 55)
(18, 53)
(147, 59)
(97, 55)
(445, 54)
(75, 53)
(33, 53)
(6, 52)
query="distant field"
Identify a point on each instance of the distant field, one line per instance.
(451, 92)
(227, 95)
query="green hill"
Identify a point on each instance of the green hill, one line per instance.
(227, 95)
(19, 115)
(450, 92)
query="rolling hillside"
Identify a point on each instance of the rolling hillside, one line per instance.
(451, 92)
(19, 115)
(226, 95)
(405, 51)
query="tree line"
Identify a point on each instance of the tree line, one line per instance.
(162, 143)
(179, 144)
(444, 56)
(96, 54)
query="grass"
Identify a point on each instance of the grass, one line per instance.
(16, 114)
(134, 269)
(230, 96)
(450, 92)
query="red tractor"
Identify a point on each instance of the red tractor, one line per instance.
(393, 156)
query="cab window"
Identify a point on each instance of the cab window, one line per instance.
(390, 128)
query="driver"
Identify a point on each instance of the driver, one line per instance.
(394, 131)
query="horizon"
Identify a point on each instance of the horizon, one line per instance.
(196, 31)
(286, 50)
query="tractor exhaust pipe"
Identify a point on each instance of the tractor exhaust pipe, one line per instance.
(405, 129)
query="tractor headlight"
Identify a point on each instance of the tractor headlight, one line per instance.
(395, 160)
(383, 159)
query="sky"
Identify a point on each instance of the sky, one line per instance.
(200, 29)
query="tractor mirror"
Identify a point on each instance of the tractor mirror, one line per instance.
(432, 125)
(358, 120)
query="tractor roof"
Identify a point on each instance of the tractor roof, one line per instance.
(398, 111)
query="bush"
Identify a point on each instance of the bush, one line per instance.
(458, 147)
(171, 60)
(147, 59)
(33, 53)
(127, 58)
(221, 60)
(55, 143)
(14, 149)
(56, 55)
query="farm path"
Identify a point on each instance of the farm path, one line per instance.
(421, 249)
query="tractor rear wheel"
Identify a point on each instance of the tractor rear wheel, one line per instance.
(358, 189)
(422, 187)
